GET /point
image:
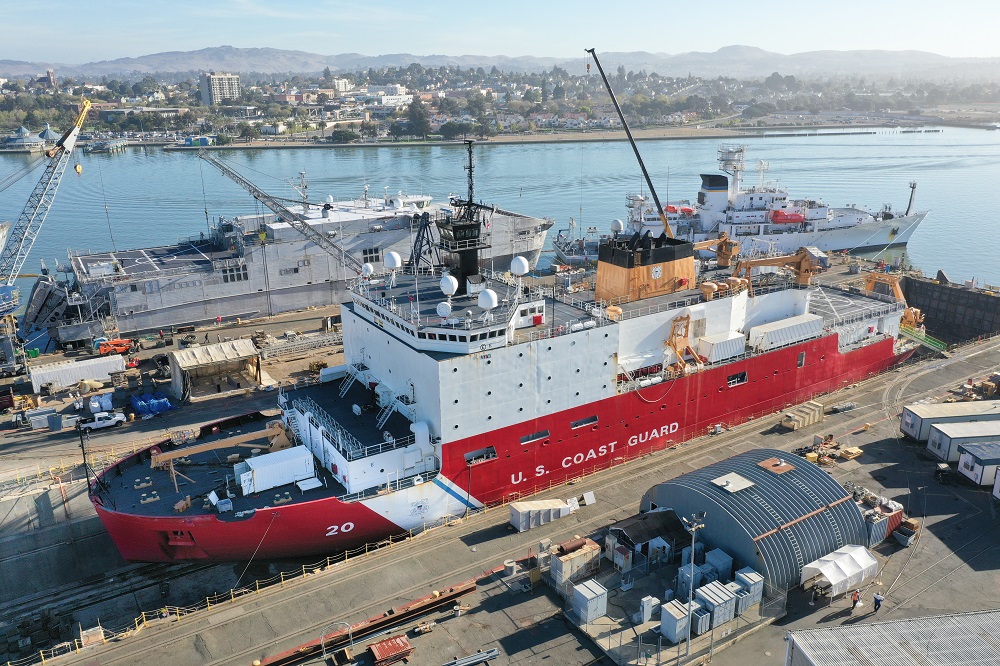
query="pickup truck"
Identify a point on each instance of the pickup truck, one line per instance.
(100, 420)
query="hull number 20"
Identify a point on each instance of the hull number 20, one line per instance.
(334, 530)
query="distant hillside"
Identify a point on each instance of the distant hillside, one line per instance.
(738, 61)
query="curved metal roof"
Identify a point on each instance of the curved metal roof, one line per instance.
(794, 512)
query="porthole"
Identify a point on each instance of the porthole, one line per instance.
(454, 369)
(456, 401)
(487, 393)
(489, 418)
(456, 426)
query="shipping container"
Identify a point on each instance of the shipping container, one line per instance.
(918, 419)
(722, 346)
(786, 332)
(590, 601)
(944, 439)
(877, 528)
(272, 470)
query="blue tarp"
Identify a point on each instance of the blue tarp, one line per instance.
(150, 403)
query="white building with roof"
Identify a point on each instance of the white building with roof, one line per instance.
(962, 639)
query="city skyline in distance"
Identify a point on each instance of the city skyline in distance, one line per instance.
(119, 29)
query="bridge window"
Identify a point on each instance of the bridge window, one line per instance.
(371, 255)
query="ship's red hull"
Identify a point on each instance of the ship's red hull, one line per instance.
(627, 426)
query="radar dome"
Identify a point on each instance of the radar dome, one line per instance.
(449, 285)
(617, 226)
(392, 261)
(519, 266)
(488, 299)
(443, 309)
(329, 199)
(367, 270)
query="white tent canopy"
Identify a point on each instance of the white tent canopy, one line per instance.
(844, 568)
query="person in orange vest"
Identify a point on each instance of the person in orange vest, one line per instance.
(855, 599)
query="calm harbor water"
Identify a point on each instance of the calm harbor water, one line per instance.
(147, 196)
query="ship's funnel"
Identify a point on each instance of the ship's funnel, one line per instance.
(643, 266)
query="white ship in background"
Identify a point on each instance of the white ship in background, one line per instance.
(767, 214)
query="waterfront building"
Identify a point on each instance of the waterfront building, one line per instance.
(219, 86)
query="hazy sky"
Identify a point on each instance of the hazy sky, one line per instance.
(78, 32)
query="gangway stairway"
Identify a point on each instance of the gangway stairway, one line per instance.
(924, 339)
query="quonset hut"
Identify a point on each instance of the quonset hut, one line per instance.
(766, 511)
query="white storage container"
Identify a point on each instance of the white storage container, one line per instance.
(918, 419)
(275, 469)
(944, 439)
(674, 621)
(647, 606)
(525, 515)
(64, 374)
(718, 601)
(722, 346)
(590, 601)
(785, 332)
(722, 563)
(753, 582)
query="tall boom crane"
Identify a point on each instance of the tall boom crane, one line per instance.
(22, 237)
(628, 133)
(295, 220)
(24, 232)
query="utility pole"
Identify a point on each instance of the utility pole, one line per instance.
(692, 525)
(84, 439)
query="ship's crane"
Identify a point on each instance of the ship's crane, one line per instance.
(21, 238)
(24, 232)
(912, 317)
(724, 247)
(614, 100)
(803, 263)
(295, 220)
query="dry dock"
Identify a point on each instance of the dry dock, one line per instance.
(951, 568)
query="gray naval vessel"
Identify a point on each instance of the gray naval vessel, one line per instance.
(252, 266)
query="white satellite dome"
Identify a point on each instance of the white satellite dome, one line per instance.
(392, 261)
(329, 198)
(367, 270)
(519, 266)
(444, 309)
(449, 285)
(617, 226)
(488, 299)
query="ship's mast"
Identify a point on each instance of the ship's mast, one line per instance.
(468, 214)
(731, 162)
